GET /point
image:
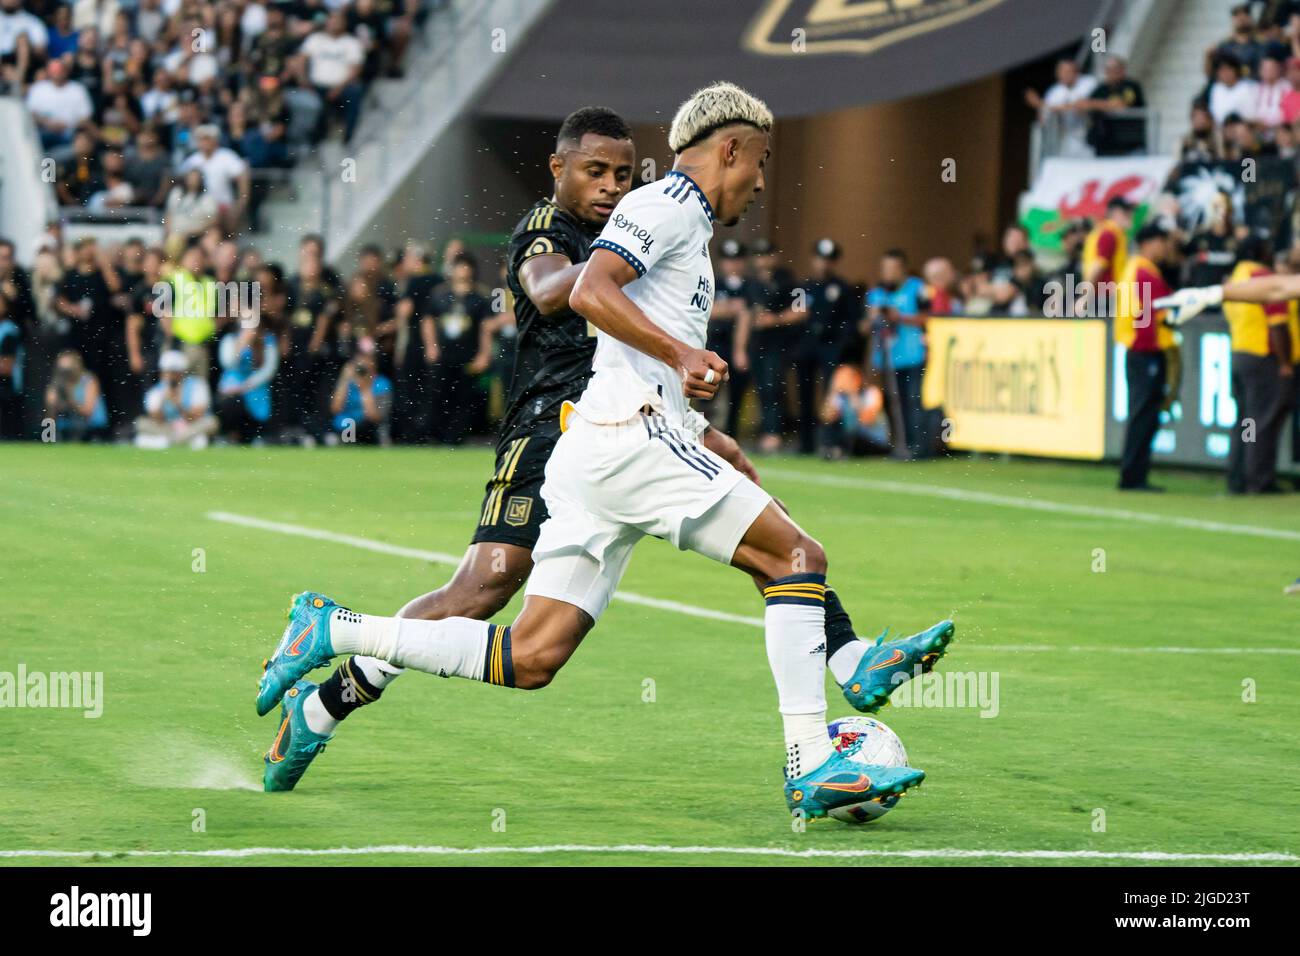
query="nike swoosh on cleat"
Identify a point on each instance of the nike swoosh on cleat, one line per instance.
(896, 658)
(274, 754)
(861, 785)
(296, 647)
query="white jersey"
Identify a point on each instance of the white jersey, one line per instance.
(662, 230)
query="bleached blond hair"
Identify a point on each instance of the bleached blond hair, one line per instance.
(715, 106)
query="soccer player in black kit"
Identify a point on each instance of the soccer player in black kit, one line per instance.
(592, 166)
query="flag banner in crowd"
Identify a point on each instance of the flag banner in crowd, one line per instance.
(1260, 200)
(1069, 189)
(1024, 386)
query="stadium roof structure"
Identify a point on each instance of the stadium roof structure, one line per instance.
(802, 56)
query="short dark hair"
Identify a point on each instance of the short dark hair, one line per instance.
(895, 253)
(592, 119)
(465, 259)
(1255, 248)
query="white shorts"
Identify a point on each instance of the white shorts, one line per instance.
(607, 486)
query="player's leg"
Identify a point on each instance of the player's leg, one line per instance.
(868, 671)
(487, 577)
(775, 548)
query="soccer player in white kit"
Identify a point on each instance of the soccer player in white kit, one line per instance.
(628, 465)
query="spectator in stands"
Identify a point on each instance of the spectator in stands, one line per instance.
(1146, 340)
(177, 409)
(74, 400)
(24, 41)
(1241, 46)
(896, 324)
(249, 359)
(334, 61)
(1241, 141)
(11, 374)
(362, 402)
(1203, 143)
(852, 413)
(62, 34)
(1211, 250)
(148, 171)
(84, 297)
(16, 289)
(1064, 105)
(456, 348)
(1110, 134)
(312, 306)
(117, 192)
(189, 212)
(1231, 93)
(58, 105)
(942, 287)
(1270, 93)
(1029, 282)
(1291, 99)
(225, 176)
(144, 331)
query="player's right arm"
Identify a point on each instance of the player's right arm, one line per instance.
(598, 297)
(1263, 290)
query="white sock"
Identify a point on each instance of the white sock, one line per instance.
(379, 673)
(317, 717)
(452, 647)
(794, 623)
(845, 661)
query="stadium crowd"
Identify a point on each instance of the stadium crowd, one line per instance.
(170, 103)
(133, 96)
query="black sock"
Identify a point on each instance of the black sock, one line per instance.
(347, 689)
(839, 629)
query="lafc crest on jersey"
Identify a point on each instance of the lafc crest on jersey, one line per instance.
(850, 26)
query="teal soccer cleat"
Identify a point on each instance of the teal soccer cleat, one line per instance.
(879, 670)
(295, 746)
(304, 646)
(842, 781)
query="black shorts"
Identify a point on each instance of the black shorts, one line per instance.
(513, 510)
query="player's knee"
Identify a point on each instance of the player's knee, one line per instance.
(535, 667)
(809, 556)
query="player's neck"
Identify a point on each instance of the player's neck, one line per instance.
(707, 181)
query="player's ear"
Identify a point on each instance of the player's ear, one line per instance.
(556, 163)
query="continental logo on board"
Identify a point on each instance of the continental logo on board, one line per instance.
(851, 26)
(1023, 386)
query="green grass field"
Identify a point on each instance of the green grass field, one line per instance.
(1120, 692)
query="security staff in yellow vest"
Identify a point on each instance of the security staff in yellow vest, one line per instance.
(1263, 371)
(192, 318)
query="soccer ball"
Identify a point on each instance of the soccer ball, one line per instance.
(875, 744)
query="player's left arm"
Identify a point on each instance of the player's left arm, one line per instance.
(548, 280)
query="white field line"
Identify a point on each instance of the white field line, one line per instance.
(438, 557)
(1030, 504)
(1144, 856)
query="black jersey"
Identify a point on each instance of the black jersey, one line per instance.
(553, 352)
